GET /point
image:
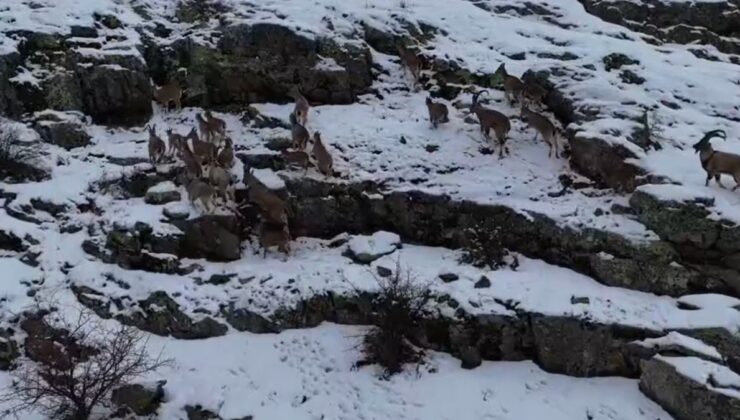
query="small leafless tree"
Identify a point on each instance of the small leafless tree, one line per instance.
(485, 247)
(12, 149)
(398, 310)
(83, 361)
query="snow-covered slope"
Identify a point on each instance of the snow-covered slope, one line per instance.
(384, 139)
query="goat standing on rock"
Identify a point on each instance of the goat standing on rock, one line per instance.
(717, 163)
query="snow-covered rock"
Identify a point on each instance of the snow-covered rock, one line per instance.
(366, 249)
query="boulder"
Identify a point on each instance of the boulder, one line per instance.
(141, 399)
(213, 237)
(260, 63)
(8, 349)
(162, 193)
(66, 134)
(690, 388)
(366, 249)
(161, 315)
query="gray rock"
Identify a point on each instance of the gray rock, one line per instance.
(142, 400)
(199, 413)
(68, 135)
(383, 271)
(213, 237)
(366, 249)
(176, 211)
(684, 397)
(162, 193)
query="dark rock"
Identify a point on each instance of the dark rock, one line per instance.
(630, 77)
(684, 397)
(575, 300)
(8, 349)
(448, 277)
(383, 271)
(219, 279)
(615, 61)
(68, 135)
(244, 320)
(142, 400)
(199, 413)
(162, 316)
(482, 283)
(78, 31)
(212, 237)
(116, 93)
(470, 358)
(10, 242)
(605, 162)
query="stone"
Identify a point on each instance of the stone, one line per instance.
(142, 400)
(214, 237)
(685, 397)
(8, 350)
(470, 358)
(482, 283)
(162, 316)
(366, 249)
(68, 135)
(383, 271)
(176, 211)
(162, 193)
(617, 60)
(448, 277)
(199, 413)
(575, 300)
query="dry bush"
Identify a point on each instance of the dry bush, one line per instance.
(398, 310)
(79, 364)
(485, 248)
(12, 149)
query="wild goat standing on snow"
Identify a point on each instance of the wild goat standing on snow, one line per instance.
(513, 87)
(437, 112)
(491, 120)
(717, 163)
(542, 126)
(300, 110)
(157, 147)
(171, 92)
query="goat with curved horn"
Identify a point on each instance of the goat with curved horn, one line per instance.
(716, 163)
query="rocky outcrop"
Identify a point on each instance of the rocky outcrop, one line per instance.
(709, 245)
(139, 399)
(560, 344)
(216, 238)
(157, 314)
(66, 133)
(260, 63)
(714, 23)
(111, 88)
(8, 349)
(324, 210)
(685, 397)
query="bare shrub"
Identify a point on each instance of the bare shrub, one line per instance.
(485, 248)
(77, 365)
(398, 310)
(12, 149)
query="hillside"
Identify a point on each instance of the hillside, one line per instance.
(602, 284)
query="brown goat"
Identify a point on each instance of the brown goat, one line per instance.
(491, 120)
(299, 133)
(273, 207)
(192, 163)
(296, 157)
(542, 126)
(716, 163)
(278, 236)
(438, 112)
(534, 94)
(217, 125)
(201, 191)
(300, 110)
(225, 156)
(410, 61)
(323, 158)
(176, 142)
(171, 92)
(156, 146)
(513, 87)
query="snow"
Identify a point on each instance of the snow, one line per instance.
(163, 187)
(676, 339)
(725, 380)
(308, 374)
(710, 300)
